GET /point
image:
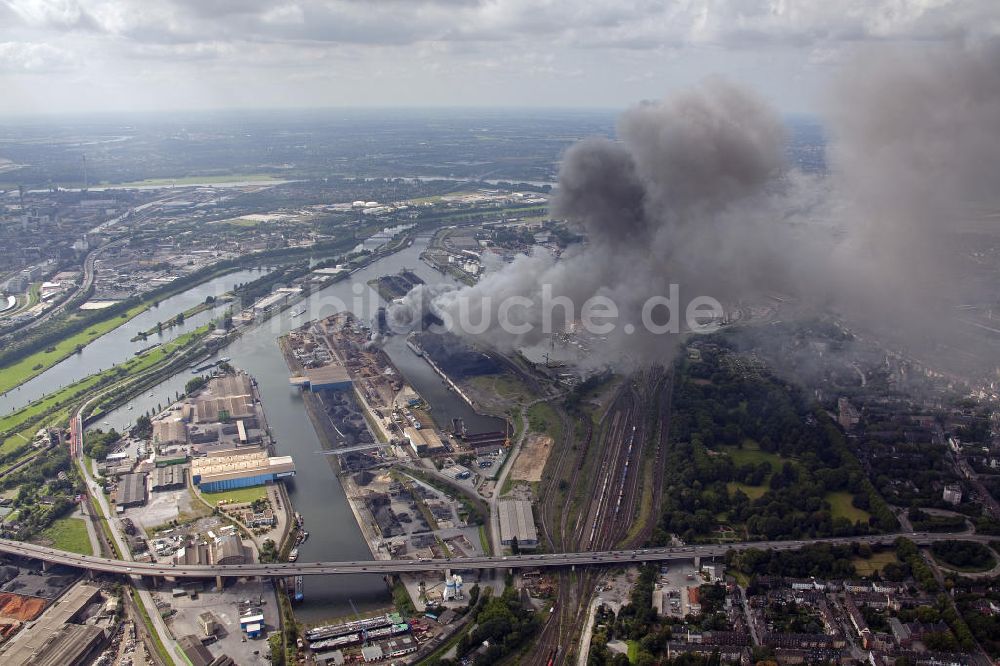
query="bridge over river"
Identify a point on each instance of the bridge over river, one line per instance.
(525, 561)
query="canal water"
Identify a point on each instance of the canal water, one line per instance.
(315, 491)
(117, 346)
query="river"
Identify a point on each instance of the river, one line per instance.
(117, 346)
(315, 491)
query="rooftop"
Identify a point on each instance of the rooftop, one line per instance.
(217, 468)
(516, 520)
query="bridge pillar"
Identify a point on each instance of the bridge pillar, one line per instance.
(697, 562)
(218, 583)
(45, 565)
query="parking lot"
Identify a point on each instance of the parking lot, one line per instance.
(224, 607)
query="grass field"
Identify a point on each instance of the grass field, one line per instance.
(236, 496)
(542, 418)
(14, 422)
(195, 180)
(873, 563)
(753, 492)
(27, 368)
(751, 453)
(69, 534)
(504, 386)
(840, 503)
(34, 365)
(633, 651)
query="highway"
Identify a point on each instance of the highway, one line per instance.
(547, 560)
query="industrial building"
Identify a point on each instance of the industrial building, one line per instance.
(230, 550)
(225, 398)
(270, 303)
(517, 520)
(169, 432)
(53, 639)
(169, 477)
(457, 472)
(213, 410)
(252, 468)
(423, 441)
(333, 377)
(198, 655)
(131, 490)
(252, 621)
(225, 550)
(209, 623)
(231, 386)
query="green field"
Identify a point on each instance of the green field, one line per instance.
(753, 492)
(504, 386)
(633, 651)
(840, 503)
(873, 563)
(195, 180)
(34, 365)
(543, 419)
(236, 496)
(751, 453)
(22, 434)
(69, 534)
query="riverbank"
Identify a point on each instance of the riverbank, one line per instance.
(204, 306)
(321, 424)
(20, 371)
(448, 380)
(18, 429)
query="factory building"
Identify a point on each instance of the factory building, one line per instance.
(168, 477)
(224, 550)
(54, 639)
(225, 398)
(423, 441)
(252, 468)
(169, 432)
(457, 472)
(517, 520)
(230, 550)
(213, 410)
(131, 490)
(270, 303)
(333, 377)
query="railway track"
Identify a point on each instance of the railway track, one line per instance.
(618, 446)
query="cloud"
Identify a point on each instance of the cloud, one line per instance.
(25, 57)
(624, 23)
(53, 14)
(543, 51)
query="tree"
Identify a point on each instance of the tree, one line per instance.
(143, 428)
(194, 384)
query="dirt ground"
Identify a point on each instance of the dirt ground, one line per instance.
(19, 607)
(531, 461)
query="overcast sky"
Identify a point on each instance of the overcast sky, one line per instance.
(61, 56)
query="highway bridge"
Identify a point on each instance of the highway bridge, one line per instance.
(542, 560)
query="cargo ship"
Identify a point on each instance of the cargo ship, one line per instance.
(195, 369)
(414, 347)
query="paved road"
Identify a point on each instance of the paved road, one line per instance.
(508, 464)
(102, 564)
